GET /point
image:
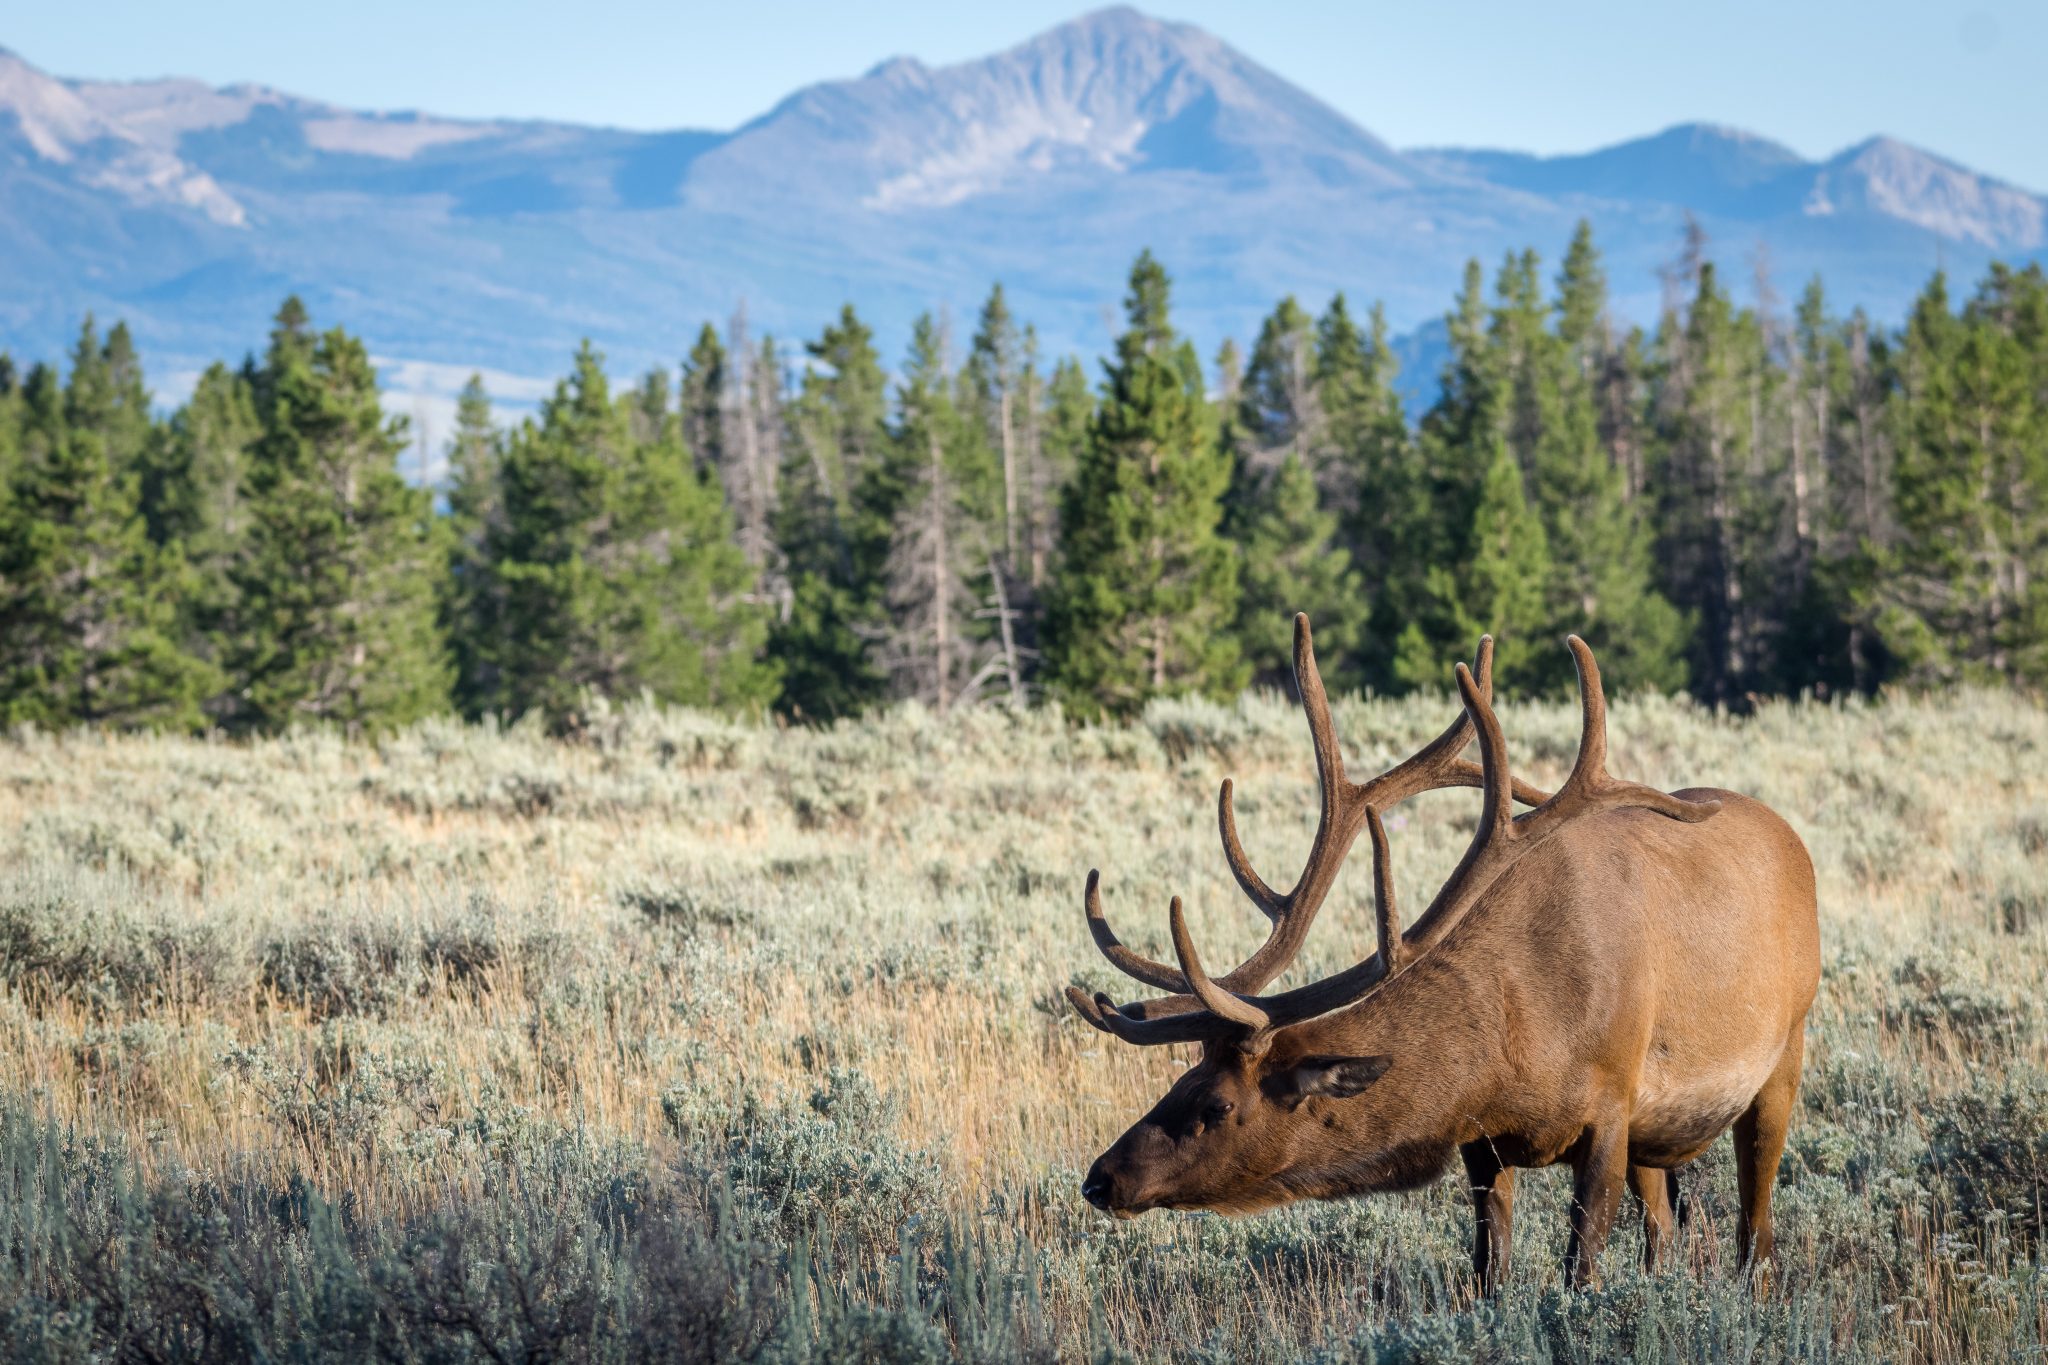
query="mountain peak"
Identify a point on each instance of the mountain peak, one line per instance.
(895, 68)
(1114, 90)
(1117, 21)
(1886, 176)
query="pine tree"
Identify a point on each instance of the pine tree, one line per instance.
(1277, 430)
(1602, 578)
(106, 396)
(1458, 432)
(89, 630)
(1964, 595)
(473, 605)
(1704, 445)
(1464, 439)
(993, 376)
(1862, 466)
(1147, 589)
(1279, 409)
(339, 574)
(842, 486)
(1819, 644)
(1377, 484)
(704, 398)
(1068, 407)
(1500, 588)
(650, 411)
(616, 566)
(1292, 560)
(750, 443)
(194, 500)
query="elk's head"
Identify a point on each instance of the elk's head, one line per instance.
(1273, 1112)
(1231, 1135)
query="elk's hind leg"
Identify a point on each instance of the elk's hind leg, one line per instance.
(1759, 1142)
(1658, 1189)
(1493, 1212)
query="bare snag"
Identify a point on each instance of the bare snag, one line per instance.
(1610, 979)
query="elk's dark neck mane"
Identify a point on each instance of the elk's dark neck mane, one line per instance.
(1411, 1165)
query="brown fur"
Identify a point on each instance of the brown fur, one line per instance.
(1618, 996)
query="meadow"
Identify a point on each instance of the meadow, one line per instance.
(702, 1040)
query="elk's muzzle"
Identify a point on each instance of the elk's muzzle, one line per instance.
(1118, 1183)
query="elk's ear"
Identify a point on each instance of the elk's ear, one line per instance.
(1337, 1078)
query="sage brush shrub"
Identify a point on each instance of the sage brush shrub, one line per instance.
(549, 1262)
(53, 948)
(828, 1164)
(695, 1039)
(1987, 1146)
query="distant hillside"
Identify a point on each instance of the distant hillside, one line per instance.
(451, 243)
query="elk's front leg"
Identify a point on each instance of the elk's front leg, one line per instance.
(1493, 1211)
(1658, 1189)
(1597, 1175)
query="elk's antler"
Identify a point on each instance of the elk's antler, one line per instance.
(1345, 805)
(1501, 839)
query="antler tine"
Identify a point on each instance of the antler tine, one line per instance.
(1195, 1025)
(1322, 731)
(1393, 952)
(1208, 1014)
(1344, 804)
(1157, 975)
(1497, 810)
(1202, 1008)
(1214, 998)
(1437, 763)
(1590, 788)
(1591, 764)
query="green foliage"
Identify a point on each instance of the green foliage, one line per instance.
(1964, 591)
(1502, 585)
(1295, 561)
(840, 493)
(1739, 504)
(89, 630)
(473, 606)
(612, 564)
(341, 561)
(698, 1037)
(1146, 586)
(947, 541)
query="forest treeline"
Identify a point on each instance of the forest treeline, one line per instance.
(1741, 501)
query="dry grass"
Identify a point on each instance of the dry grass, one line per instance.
(391, 967)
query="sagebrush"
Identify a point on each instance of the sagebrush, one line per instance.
(700, 1040)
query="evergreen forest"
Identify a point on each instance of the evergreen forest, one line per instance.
(1746, 500)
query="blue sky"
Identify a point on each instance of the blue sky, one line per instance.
(1964, 80)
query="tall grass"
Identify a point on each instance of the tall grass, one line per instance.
(697, 1040)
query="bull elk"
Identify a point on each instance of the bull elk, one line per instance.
(1610, 980)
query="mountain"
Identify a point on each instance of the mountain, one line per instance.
(1740, 177)
(455, 243)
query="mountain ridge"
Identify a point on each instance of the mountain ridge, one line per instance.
(499, 243)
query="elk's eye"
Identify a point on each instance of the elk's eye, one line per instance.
(1216, 1112)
